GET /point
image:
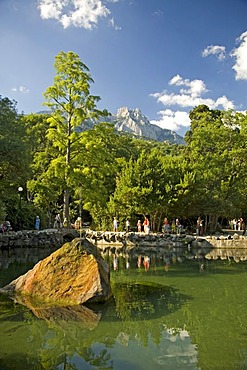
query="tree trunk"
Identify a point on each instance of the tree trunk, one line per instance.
(212, 222)
(66, 190)
(159, 226)
(66, 206)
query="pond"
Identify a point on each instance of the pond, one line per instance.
(179, 313)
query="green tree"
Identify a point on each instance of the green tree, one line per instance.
(14, 159)
(147, 186)
(42, 190)
(216, 160)
(71, 103)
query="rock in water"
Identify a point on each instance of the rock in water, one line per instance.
(74, 274)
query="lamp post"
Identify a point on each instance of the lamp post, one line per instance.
(20, 190)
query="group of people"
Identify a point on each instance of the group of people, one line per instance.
(141, 226)
(175, 227)
(145, 225)
(58, 224)
(237, 224)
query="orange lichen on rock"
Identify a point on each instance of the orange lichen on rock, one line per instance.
(74, 274)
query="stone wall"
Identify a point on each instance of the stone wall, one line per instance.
(228, 247)
(31, 239)
(228, 241)
(132, 243)
(26, 244)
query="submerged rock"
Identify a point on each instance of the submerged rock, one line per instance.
(74, 274)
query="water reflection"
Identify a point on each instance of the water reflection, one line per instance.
(23, 256)
(87, 317)
(142, 301)
(236, 254)
(115, 343)
(127, 332)
(171, 316)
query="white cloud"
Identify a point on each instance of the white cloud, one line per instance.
(21, 89)
(218, 51)
(172, 120)
(50, 9)
(113, 25)
(190, 96)
(194, 88)
(158, 13)
(77, 13)
(240, 55)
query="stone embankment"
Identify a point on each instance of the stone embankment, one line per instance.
(224, 246)
(31, 239)
(235, 240)
(119, 241)
(134, 243)
(228, 247)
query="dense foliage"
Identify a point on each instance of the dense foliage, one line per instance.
(98, 173)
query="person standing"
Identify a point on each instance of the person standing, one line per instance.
(37, 223)
(199, 226)
(78, 223)
(241, 223)
(146, 226)
(166, 226)
(234, 223)
(115, 224)
(58, 222)
(127, 226)
(139, 226)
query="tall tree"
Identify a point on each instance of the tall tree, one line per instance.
(71, 103)
(216, 155)
(147, 185)
(14, 159)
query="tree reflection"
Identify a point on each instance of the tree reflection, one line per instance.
(87, 337)
(99, 360)
(136, 301)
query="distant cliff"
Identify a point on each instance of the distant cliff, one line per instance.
(136, 123)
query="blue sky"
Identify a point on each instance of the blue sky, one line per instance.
(162, 56)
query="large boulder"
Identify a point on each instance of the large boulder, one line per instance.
(74, 274)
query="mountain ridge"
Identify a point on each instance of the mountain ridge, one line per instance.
(134, 122)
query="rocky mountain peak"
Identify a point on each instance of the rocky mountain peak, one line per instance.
(136, 123)
(132, 114)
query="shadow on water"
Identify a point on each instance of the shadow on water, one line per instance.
(143, 301)
(130, 301)
(18, 360)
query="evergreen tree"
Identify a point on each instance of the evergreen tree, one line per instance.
(71, 104)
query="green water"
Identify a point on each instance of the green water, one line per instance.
(170, 317)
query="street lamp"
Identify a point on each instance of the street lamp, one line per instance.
(20, 190)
